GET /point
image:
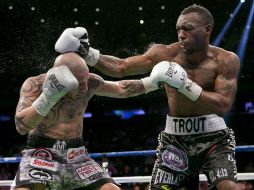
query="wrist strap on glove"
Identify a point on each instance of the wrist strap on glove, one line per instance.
(92, 57)
(42, 105)
(90, 54)
(190, 89)
(149, 86)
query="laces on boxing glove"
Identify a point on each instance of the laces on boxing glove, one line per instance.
(83, 49)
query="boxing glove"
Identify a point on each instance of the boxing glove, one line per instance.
(148, 85)
(58, 82)
(76, 40)
(175, 76)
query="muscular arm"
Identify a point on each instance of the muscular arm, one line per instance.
(118, 89)
(222, 99)
(26, 118)
(134, 65)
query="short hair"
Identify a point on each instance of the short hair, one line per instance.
(207, 17)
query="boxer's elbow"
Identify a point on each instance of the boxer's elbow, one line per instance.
(21, 129)
(223, 106)
(122, 71)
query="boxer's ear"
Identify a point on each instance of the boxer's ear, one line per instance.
(209, 28)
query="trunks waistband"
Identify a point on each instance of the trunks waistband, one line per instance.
(194, 125)
(36, 141)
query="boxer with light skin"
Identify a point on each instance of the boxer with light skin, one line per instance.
(200, 81)
(51, 109)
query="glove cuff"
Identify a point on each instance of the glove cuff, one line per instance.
(92, 57)
(42, 105)
(190, 89)
(149, 86)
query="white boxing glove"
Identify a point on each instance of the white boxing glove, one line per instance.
(174, 75)
(76, 40)
(148, 85)
(58, 82)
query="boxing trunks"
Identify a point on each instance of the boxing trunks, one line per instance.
(192, 145)
(59, 164)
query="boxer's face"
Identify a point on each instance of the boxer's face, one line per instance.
(191, 32)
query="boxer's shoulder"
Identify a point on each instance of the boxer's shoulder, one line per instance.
(162, 52)
(33, 84)
(94, 81)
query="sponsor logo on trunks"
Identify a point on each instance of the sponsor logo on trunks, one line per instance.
(55, 83)
(189, 125)
(165, 187)
(60, 145)
(219, 173)
(231, 158)
(163, 177)
(89, 170)
(95, 177)
(38, 181)
(174, 158)
(40, 174)
(39, 163)
(43, 153)
(76, 153)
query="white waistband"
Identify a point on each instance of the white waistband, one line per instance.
(194, 125)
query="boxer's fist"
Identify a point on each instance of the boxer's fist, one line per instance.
(169, 72)
(71, 40)
(58, 82)
(76, 40)
(174, 75)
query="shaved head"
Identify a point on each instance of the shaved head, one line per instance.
(76, 64)
(72, 61)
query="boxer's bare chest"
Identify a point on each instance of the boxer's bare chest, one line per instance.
(73, 105)
(68, 109)
(203, 73)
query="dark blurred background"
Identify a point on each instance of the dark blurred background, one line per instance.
(30, 28)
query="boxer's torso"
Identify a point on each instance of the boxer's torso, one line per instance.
(203, 72)
(65, 119)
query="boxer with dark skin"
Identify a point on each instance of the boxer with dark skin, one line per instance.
(195, 131)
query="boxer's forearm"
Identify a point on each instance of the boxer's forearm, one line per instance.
(27, 119)
(122, 89)
(118, 68)
(131, 88)
(111, 66)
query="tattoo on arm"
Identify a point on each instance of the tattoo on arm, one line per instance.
(21, 125)
(29, 91)
(24, 103)
(229, 77)
(227, 85)
(132, 87)
(32, 86)
(94, 82)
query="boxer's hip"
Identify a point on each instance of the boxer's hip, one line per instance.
(35, 141)
(194, 125)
